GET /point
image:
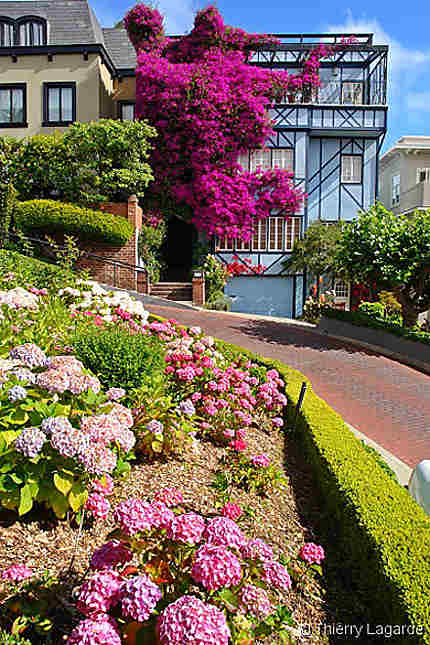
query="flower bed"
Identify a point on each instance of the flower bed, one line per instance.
(209, 416)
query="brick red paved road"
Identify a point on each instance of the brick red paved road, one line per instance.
(386, 401)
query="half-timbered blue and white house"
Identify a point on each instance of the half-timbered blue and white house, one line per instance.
(331, 141)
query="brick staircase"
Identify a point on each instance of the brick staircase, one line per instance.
(180, 291)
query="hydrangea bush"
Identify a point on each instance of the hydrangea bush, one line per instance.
(176, 577)
(58, 431)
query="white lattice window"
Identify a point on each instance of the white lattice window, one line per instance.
(341, 289)
(282, 158)
(244, 160)
(224, 244)
(292, 232)
(423, 174)
(352, 93)
(260, 159)
(395, 189)
(243, 246)
(351, 167)
(259, 240)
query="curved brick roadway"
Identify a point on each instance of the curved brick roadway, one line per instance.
(386, 401)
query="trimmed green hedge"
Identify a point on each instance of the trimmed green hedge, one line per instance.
(48, 216)
(41, 275)
(382, 536)
(363, 320)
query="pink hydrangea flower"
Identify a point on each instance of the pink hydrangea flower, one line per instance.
(160, 515)
(110, 555)
(188, 528)
(139, 596)
(260, 460)
(103, 486)
(222, 531)
(229, 433)
(278, 422)
(257, 549)
(132, 517)
(276, 574)
(17, 573)
(232, 511)
(169, 496)
(99, 593)
(189, 620)
(312, 553)
(238, 445)
(122, 414)
(98, 460)
(215, 567)
(255, 601)
(98, 505)
(99, 630)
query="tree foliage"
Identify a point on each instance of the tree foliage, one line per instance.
(94, 162)
(394, 252)
(316, 251)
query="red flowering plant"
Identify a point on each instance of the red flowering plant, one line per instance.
(243, 266)
(170, 576)
(208, 105)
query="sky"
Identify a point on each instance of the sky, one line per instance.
(402, 26)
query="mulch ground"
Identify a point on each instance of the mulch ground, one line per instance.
(284, 520)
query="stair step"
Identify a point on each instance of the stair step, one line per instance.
(182, 291)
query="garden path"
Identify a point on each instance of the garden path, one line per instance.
(387, 401)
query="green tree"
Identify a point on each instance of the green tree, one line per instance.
(392, 251)
(316, 251)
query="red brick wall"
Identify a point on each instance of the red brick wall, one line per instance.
(198, 291)
(120, 276)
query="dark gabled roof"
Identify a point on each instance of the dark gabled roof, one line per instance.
(119, 47)
(70, 22)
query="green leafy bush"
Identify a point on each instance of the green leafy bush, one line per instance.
(150, 240)
(362, 320)
(12, 639)
(219, 302)
(119, 359)
(374, 309)
(90, 163)
(47, 216)
(27, 270)
(215, 276)
(379, 460)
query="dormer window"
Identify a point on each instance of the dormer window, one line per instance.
(7, 33)
(31, 32)
(28, 31)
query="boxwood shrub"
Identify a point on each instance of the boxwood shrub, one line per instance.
(363, 320)
(48, 216)
(379, 534)
(119, 358)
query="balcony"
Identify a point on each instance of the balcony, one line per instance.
(416, 197)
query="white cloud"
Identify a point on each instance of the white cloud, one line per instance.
(178, 15)
(407, 68)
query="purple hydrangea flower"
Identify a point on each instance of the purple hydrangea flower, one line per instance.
(17, 393)
(30, 442)
(29, 354)
(139, 597)
(154, 426)
(100, 630)
(110, 554)
(187, 407)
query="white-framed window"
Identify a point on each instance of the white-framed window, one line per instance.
(423, 174)
(127, 110)
(395, 190)
(272, 234)
(351, 169)
(341, 289)
(267, 158)
(352, 92)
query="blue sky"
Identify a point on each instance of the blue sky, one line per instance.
(403, 26)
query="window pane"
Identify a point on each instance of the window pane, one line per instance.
(244, 160)
(282, 158)
(54, 104)
(66, 104)
(37, 34)
(24, 34)
(31, 34)
(4, 106)
(351, 169)
(356, 169)
(6, 34)
(352, 93)
(260, 159)
(17, 106)
(127, 112)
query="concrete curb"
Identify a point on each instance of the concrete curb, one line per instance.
(402, 470)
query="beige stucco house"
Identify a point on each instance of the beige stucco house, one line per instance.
(57, 65)
(404, 178)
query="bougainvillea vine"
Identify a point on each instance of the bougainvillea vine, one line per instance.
(209, 106)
